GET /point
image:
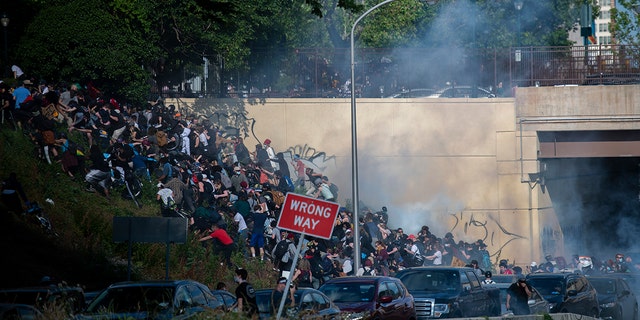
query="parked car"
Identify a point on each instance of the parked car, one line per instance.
(631, 278)
(567, 292)
(413, 93)
(537, 303)
(449, 292)
(371, 297)
(463, 92)
(19, 311)
(168, 299)
(71, 298)
(617, 300)
(227, 297)
(310, 304)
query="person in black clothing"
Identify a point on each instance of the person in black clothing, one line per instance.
(518, 296)
(246, 295)
(13, 194)
(263, 158)
(121, 158)
(99, 172)
(278, 292)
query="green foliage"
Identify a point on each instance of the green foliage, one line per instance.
(62, 44)
(395, 25)
(627, 22)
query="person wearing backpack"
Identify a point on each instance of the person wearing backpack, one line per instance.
(414, 252)
(167, 204)
(367, 269)
(302, 276)
(283, 253)
(245, 293)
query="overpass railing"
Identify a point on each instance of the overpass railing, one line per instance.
(321, 72)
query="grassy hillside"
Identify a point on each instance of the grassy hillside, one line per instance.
(84, 253)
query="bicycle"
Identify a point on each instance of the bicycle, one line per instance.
(37, 214)
(132, 185)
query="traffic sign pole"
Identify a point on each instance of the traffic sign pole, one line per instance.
(289, 278)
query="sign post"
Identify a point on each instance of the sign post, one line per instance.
(305, 215)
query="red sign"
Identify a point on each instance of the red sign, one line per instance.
(308, 215)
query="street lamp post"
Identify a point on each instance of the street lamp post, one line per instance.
(354, 139)
(4, 20)
(518, 5)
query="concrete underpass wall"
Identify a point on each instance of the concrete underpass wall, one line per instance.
(452, 164)
(571, 108)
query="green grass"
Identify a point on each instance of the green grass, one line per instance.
(84, 252)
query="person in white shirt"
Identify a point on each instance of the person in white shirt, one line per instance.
(436, 257)
(239, 221)
(186, 141)
(273, 159)
(17, 72)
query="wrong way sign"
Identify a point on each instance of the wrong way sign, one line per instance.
(308, 215)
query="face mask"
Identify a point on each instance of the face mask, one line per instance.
(237, 172)
(237, 279)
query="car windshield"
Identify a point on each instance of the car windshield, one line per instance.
(547, 286)
(604, 286)
(133, 299)
(436, 280)
(349, 292)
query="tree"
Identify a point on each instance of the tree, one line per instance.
(626, 27)
(93, 46)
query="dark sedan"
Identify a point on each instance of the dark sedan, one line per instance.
(170, 299)
(310, 304)
(71, 298)
(371, 297)
(617, 300)
(19, 311)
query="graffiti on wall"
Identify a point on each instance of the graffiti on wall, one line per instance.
(231, 118)
(490, 231)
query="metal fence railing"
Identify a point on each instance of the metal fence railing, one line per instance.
(317, 72)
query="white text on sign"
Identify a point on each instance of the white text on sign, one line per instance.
(310, 209)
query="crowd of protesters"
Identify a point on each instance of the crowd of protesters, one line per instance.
(230, 194)
(212, 179)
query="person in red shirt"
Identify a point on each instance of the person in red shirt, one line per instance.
(223, 242)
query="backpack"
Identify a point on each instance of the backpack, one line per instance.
(161, 136)
(208, 187)
(226, 181)
(281, 249)
(316, 269)
(327, 266)
(304, 278)
(334, 190)
(277, 197)
(170, 205)
(418, 257)
(367, 271)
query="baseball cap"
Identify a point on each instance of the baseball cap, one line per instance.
(282, 280)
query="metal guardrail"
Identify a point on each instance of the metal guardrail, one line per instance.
(324, 73)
